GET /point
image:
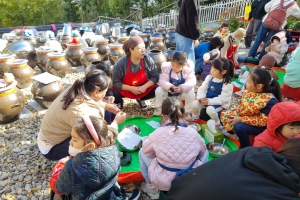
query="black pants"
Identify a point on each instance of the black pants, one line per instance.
(118, 96)
(59, 151)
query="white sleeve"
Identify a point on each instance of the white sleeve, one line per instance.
(224, 97)
(202, 90)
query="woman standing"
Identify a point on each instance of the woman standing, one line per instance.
(135, 75)
(83, 97)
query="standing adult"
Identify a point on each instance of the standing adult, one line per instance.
(187, 30)
(264, 33)
(83, 97)
(135, 75)
(257, 13)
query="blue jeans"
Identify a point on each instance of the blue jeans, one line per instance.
(185, 45)
(264, 34)
(243, 130)
(199, 64)
(59, 151)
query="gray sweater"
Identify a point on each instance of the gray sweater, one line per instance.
(121, 66)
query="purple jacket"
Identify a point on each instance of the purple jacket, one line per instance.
(206, 70)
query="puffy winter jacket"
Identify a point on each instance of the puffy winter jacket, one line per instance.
(90, 175)
(281, 113)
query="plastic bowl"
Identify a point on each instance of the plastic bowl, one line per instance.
(216, 149)
(135, 129)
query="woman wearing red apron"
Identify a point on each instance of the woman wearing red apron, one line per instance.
(230, 49)
(135, 75)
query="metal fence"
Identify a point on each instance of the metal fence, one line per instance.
(208, 13)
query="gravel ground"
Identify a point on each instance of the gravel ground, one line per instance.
(24, 172)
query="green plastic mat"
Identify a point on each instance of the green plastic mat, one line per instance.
(279, 72)
(146, 129)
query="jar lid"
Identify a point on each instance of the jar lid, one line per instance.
(44, 49)
(115, 45)
(90, 49)
(17, 62)
(56, 55)
(101, 40)
(6, 56)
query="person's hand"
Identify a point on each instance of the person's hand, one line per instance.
(234, 120)
(135, 90)
(112, 108)
(172, 89)
(111, 99)
(196, 43)
(236, 63)
(142, 89)
(204, 101)
(177, 90)
(120, 117)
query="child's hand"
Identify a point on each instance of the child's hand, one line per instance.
(177, 90)
(111, 99)
(171, 90)
(196, 43)
(112, 108)
(204, 101)
(234, 120)
(120, 117)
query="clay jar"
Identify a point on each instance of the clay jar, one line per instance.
(103, 48)
(89, 54)
(123, 39)
(57, 64)
(12, 103)
(169, 53)
(22, 72)
(170, 38)
(4, 67)
(45, 94)
(73, 54)
(115, 53)
(42, 58)
(158, 58)
(64, 40)
(208, 34)
(94, 65)
(157, 43)
(145, 38)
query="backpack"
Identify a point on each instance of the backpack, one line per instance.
(277, 16)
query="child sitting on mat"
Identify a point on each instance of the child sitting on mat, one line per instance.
(261, 94)
(215, 92)
(283, 124)
(278, 46)
(177, 79)
(169, 149)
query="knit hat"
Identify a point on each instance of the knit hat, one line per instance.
(267, 62)
(239, 34)
(132, 43)
(213, 54)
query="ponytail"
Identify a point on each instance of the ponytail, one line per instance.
(173, 108)
(275, 89)
(94, 80)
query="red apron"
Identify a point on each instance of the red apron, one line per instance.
(135, 79)
(230, 53)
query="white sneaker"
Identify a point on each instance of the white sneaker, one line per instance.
(150, 190)
(157, 111)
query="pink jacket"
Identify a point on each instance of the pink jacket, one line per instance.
(172, 149)
(187, 73)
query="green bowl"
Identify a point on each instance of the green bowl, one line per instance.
(217, 149)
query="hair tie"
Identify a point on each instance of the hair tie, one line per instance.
(90, 127)
(271, 79)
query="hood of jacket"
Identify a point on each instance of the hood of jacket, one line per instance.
(280, 35)
(282, 113)
(96, 168)
(273, 165)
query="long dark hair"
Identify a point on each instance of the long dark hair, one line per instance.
(224, 64)
(262, 76)
(93, 80)
(106, 136)
(173, 108)
(216, 42)
(290, 150)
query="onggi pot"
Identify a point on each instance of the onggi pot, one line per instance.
(89, 54)
(103, 48)
(42, 57)
(157, 43)
(169, 53)
(115, 53)
(45, 94)
(158, 58)
(12, 103)
(4, 67)
(122, 39)
(22, 72)
(145, 38)
(73, 54)
(57, 64)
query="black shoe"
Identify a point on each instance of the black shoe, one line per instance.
(120, 105)
(142, 104)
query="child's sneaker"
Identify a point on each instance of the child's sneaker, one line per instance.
(135, 194)
(150, 190)
(157, 111)
(224, 131)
